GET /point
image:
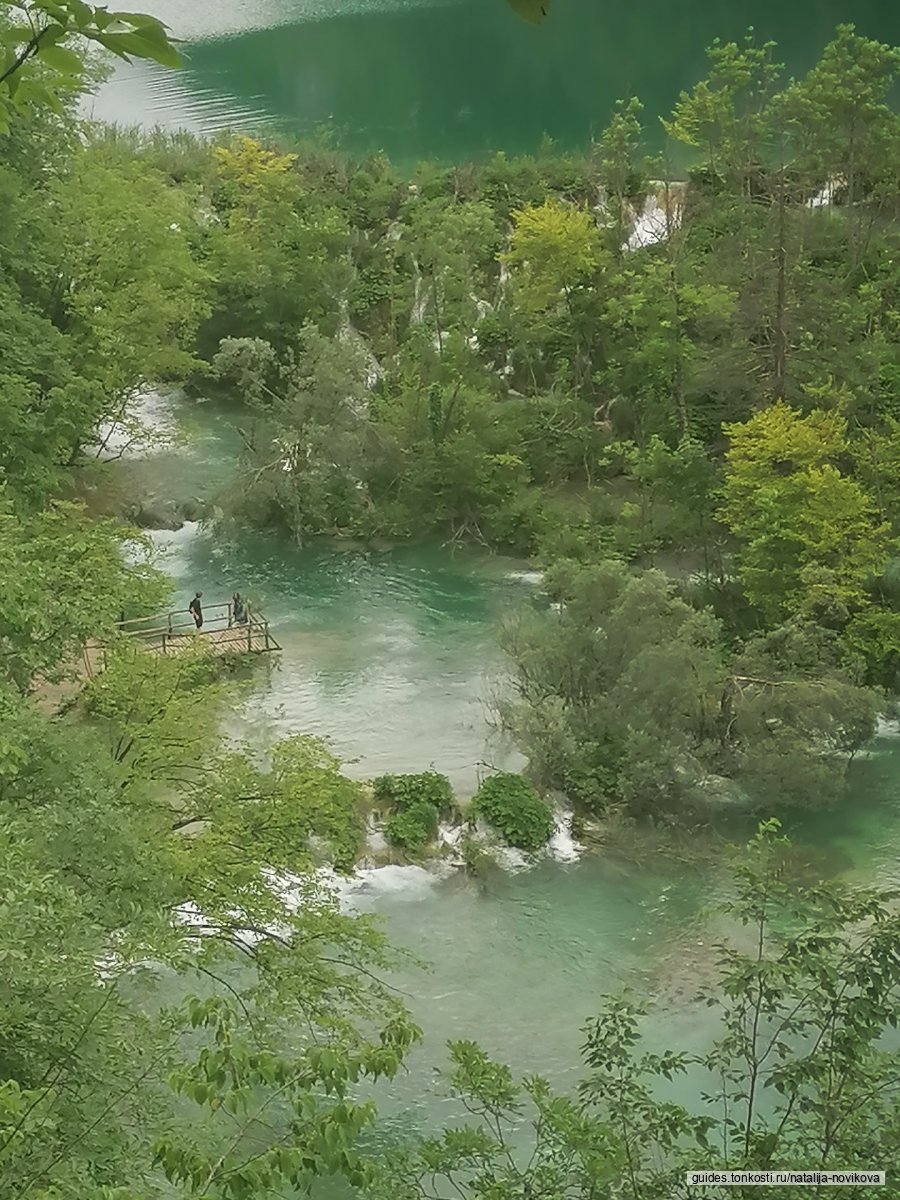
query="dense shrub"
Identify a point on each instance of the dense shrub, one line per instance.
(513, 807)
(403, 792)
(417, 802)
(412, 827)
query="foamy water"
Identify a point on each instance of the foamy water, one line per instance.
(363, 891)
(660, 214)
(146, 426)
(562, 845)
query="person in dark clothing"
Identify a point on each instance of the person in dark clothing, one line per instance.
(238, 609)
(196, 611)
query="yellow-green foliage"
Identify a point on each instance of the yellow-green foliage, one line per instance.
(805, 527)
(554, 247)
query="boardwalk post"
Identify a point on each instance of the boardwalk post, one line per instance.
(249, 635)
(267, 634)
(163, 643)
(170, 622)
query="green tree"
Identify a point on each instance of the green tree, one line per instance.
(794, 712)
(454, 246)
(616, 694)
(805, 527)
(556, 249)
(630, 696)
(847, 132)
(306, 450)
(66, 581)
(277, 251)
(555, 258)
(726, 116)
(129, 293)
(118, 917)
(37, 37)
(622, 166)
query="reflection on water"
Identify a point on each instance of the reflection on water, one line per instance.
(452, 80)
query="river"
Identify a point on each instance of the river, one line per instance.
(392, 656)
(451, 80)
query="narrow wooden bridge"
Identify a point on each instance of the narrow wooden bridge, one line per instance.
(164, 633)
(175, 632)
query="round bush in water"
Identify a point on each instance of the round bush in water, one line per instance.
(412, 827)
(404, 791)
(513, 807)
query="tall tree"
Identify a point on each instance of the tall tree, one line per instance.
(804, 526)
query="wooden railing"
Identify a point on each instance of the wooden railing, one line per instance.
(163, 630)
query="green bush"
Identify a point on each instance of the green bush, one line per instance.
(513, 807)
(412, 827)
(403, 792)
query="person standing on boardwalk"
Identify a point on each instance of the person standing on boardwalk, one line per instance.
(196, 610)
(239, 609)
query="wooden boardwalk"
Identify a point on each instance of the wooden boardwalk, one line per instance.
(247, 639)
(166, 633)
(175, 632)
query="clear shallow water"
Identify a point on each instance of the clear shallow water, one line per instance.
(521, 964)
(391, 655)
(388, 655)
(454, 79)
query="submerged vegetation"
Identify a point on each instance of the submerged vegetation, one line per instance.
(573, 356)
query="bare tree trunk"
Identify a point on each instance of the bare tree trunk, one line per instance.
(779, 382)
(675, 291)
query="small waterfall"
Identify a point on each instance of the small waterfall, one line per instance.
(351, 336)
(531, 577)
(363, 890)
(482, 308)
(562, 845)
(421, 305)
(512, 860)
(824, 198)
(449, 840)
(660, 214)
(191, 916)
(376, 842)
(145, 426)
(420, 299)
(508, 858)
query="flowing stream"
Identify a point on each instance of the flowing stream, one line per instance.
(391, 655)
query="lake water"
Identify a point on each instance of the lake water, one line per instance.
(452, 80)
(391, 655)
